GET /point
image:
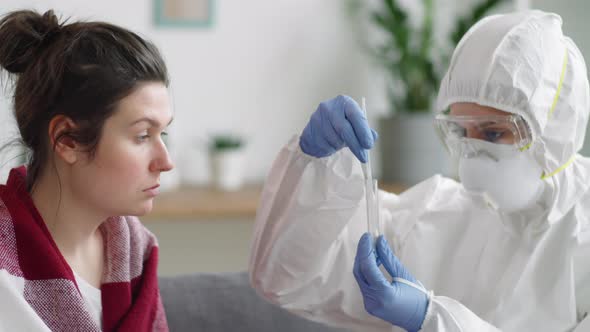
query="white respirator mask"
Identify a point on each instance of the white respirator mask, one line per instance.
(494, 158)
(508, 178)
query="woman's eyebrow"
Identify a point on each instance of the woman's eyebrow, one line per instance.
(151, 121)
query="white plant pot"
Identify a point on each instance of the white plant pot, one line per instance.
(410, 149)
(227, 169)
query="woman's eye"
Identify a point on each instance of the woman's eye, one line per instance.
(146, 136)
(492, 135)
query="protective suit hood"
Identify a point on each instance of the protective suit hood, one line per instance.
(522, 63)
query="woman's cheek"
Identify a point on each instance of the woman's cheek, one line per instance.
(125, 158)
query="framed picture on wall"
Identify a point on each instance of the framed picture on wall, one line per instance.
(183, 13)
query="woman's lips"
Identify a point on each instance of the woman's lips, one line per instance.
(154, 187)
(153, 191)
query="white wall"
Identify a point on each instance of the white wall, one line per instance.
(259, 70)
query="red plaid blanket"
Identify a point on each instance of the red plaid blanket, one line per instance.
(38, 290)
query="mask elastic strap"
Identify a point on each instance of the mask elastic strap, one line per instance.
(561, 168)
(526, 147)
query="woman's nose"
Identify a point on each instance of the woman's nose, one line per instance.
(162, 162)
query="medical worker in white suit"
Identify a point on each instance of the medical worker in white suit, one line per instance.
(505, 249)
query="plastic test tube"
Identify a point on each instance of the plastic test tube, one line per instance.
(371, 191)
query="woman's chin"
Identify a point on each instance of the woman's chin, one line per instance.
(143, 209)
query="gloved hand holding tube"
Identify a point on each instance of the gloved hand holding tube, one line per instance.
(337, 123)
(402, 302)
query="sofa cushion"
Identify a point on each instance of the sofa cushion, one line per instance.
(225, 302)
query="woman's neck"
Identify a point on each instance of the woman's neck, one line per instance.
(72, 223)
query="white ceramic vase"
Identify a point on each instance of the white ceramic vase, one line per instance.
(227, 169)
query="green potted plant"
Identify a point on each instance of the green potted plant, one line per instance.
(410, 149)
(227, 156)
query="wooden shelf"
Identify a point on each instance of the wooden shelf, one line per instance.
(202, 203)
(192, 203)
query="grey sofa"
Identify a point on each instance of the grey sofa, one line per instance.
(225, 302)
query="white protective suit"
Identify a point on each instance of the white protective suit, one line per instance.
(488, 270)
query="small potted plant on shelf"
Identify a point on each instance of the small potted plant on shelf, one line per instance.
(227, 157)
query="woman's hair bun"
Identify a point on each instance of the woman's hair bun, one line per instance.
(23, 34)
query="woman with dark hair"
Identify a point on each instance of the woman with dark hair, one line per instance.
(91, 104)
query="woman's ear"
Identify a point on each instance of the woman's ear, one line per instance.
(62, 143)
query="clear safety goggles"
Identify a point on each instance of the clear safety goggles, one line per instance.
(499, 129)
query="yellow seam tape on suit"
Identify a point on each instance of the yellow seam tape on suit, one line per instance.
(563, 68)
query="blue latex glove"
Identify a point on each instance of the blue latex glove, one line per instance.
(337, 123)
(396, 302)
